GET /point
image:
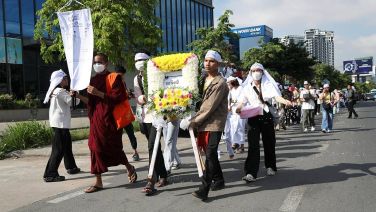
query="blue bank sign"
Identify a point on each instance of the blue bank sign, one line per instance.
(358, 66)
(250, 31)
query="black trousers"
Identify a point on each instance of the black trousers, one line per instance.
(213, 170)
(132, 138)
(260, 125)
(61, 147)
(350, 108)
(159, 167)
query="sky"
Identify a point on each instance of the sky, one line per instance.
(353, 21)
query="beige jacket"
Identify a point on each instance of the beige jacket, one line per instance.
(213, 111)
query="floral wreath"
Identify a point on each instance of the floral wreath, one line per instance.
(173, 101)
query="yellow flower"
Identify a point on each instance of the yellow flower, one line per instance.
(172, 62)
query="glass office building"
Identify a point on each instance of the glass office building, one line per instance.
(250, 37)
(23, 71)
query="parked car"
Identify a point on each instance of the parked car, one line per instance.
(369, 96)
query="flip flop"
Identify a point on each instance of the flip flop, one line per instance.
(93, 189)
(132, 176)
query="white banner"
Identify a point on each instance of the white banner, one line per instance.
(77, 34)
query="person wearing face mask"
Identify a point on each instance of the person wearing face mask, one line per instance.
(59, 118)
(105, 140)
(260, 90)
(150, 132)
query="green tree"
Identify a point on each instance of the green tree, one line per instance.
(282, 61)
(216, 39)
(325, 72)
(121, 28)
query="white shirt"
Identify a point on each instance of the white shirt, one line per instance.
(144, 116)
(60, 113)
(310, 104)
(234, 98)
(250, 96)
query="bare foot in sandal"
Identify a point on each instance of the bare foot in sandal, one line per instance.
(93, 189)
(132, 175)
(149, 189)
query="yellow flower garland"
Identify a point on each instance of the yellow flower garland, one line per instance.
(172, 62)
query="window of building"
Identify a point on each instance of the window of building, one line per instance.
(189, 21)
(27, 11)
(197, 19)
(174, 21)
(169, 26)
(1, 20)
(184, 24)
(3, 78)
(164, 24)
(12, 18)
(179, 24)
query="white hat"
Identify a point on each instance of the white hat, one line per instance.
(56, 78)
(215, 55)
(326, 86)
(305, 83)
(141, 56)
(230, 78)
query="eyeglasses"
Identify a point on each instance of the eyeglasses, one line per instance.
(100, 62)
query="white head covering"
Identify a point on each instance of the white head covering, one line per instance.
(230, 78)
(141, 56)
(56, 78)
(306, 83)
(266, 77)
(215, 55)
(326, 86)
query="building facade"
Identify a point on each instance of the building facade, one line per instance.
(22, 69)
(320, 45)
(251, 37)
(295, 39)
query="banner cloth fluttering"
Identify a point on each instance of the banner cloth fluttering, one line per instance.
(77, 34)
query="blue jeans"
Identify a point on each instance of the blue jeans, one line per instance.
(327, 119)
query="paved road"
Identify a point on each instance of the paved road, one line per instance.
(317, 172)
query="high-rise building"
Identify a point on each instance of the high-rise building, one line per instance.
(288, 39)
(320, 45)
(251, 37)
(23, 71)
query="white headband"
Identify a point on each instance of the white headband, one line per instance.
(215, 55)
(265, 78)
(141, 56)
(56, 78)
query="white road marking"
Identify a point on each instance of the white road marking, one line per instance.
(293, 199)
(70, 196)
(324, 147)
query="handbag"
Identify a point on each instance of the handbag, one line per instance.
(272, 109)
(122, 112)
(250, 112)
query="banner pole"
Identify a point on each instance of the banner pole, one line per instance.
(197, 154)
(154, 155)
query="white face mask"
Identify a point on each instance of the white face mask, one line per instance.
(256, 75)
(140, 65)
(98, 68)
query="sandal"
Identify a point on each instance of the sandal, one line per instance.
(93, 189)
(132, 175)
(149, 189)
(162, 182)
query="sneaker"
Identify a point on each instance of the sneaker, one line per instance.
(305, 129)
(313, 129)
(73, 171)
(54, 179)
(200, 194)
(324, 131)
(249, 178)
(136, 157)
(328, 131)
(270, 172)
(175, 166)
